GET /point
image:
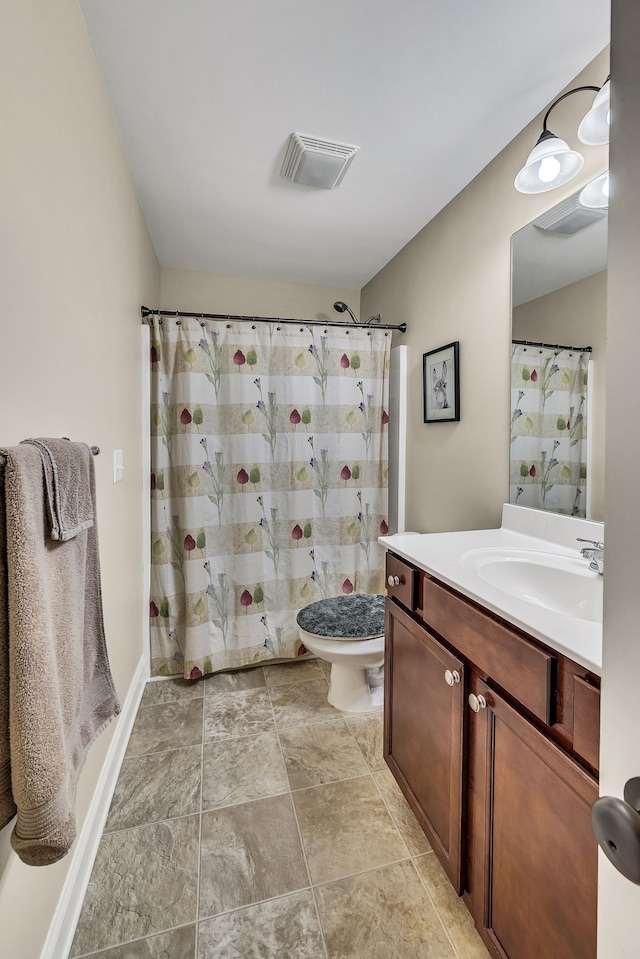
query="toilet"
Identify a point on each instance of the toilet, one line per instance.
(348, 632)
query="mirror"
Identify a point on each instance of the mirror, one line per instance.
(558, 297)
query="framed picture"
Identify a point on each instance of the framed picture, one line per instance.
(441, 384)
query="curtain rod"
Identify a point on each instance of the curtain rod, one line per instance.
(146, 312)
(554, 346)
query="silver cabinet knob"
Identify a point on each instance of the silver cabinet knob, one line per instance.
(451, 677)
(477, 702)
(393, 580)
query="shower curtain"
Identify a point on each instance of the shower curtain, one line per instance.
(549, 429)
(269, 483)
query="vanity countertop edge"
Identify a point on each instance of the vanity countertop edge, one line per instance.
(439, 554)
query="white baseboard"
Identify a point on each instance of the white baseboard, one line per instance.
(65, 919)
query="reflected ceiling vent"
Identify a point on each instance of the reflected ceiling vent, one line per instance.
(569, 217)
(316, 162)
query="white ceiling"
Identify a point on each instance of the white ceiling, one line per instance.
(206, 93)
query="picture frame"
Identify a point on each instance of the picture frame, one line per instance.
(441, 384)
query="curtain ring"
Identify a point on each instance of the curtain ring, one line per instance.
(253, 326)
(278, 329)
(178, 322)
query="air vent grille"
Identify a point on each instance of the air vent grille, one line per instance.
(569, 217)
(316, 162)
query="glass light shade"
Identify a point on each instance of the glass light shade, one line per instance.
(550, 164)
(596, 194)
(594, 129)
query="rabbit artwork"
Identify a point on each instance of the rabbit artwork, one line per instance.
(439, 387)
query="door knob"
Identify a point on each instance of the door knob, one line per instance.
(477, 702)
(616, 824)
(393, 580)
(451, 677)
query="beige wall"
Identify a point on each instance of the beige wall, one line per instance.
(76, 262)
(619, 900)
(452, 282)
(576, 315)
(223, 293)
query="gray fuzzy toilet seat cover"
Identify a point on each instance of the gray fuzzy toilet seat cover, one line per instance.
(358, 616)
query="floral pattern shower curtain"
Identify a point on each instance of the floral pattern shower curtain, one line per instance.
(549, 429)
(269, 483)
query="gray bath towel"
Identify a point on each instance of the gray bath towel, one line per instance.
(7, 805)
(61, 694)
(67, 471)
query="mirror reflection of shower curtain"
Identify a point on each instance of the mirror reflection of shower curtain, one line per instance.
(269, 484)
(549, 419)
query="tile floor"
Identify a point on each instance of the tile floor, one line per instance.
(251, 819)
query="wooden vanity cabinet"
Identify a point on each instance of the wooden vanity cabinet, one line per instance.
(424, 748)
(535, 854)
(503, 793)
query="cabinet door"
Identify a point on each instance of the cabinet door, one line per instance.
(535, 850)
(424, 707)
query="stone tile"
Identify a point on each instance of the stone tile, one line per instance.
(177, 944)
(169, 690)
(249, 853)
(451, 909)
(321, 753)
(249, 678)
(166, 726)
(286, 927)
(278, 674)
(382, 914)
(401, 813)
(368, 732)
(157, 786)
(326, 668)
(144, 881)
(297, 704)
(240, 770)
(231, 714)
(346, 828)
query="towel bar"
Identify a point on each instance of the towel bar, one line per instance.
(94, 449)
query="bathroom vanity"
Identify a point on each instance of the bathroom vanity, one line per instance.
(492, 722)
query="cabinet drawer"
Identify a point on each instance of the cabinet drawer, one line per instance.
(513, 662)
(406, 589)
(586, 721)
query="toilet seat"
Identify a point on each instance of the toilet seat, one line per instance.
(358, 616)
(348, 632)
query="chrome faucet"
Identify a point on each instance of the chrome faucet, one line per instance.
(594, 552)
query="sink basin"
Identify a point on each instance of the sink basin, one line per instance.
(563, 584)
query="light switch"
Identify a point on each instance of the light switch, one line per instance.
(118, 466)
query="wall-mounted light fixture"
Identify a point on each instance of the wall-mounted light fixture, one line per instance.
(552, 163)
(596, 194)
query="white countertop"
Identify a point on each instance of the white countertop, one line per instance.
(440, 554)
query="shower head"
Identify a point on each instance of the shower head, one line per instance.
(341, 307)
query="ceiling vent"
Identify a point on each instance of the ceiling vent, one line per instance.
(569, 217)
(316, 162)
